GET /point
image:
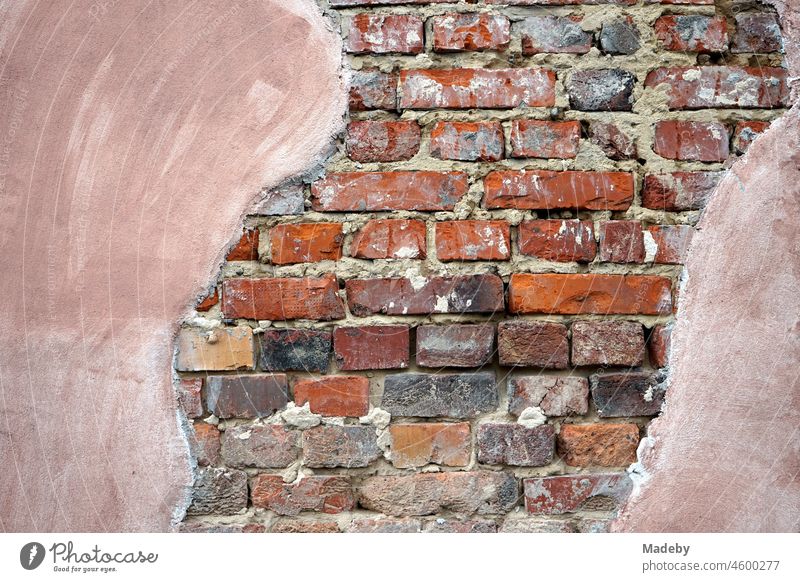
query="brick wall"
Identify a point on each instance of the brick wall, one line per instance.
(464, 324)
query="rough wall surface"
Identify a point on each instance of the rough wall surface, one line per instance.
(134, 136)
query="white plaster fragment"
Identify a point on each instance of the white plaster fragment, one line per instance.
(532, 417)
(300, 416)
(377, 417)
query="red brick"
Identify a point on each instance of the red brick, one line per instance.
(570, 294)
(621, 241)
(533, 343)
(679, 191)
(460, 346)
(246, 396)
(340, 446)
(746, 132)
(607, 343)
(470, 32)
(658, 345)
(555, 395)
(476, 88)
(371, 347)
(601, 89)
(671, 242)
(190, 398)
(698, 141)
(306, 243)
(418, 444)
(553, 34)
(390, 239)
(566, 494)
(425, 295)
(382, 141)
(384, 33)
(550, 190)
(467, 141)
(209, 301)
(204, 443)
(757, 33)
(515, 445)
(334, 395)
(531, 138)
(599, 445)
(372, 89)
(282, 299)
(722, 87)
(692, 33)
(360, 191)
(473, 240)
(614, 142)
(321, 493)
(270, 446)
(247, 247)
(558, 240)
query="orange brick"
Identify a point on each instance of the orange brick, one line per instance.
(306, 243)
(334, 395)
(225, 348)
(415, 445)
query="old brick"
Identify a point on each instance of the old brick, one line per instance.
(463, 492)
(555, 395)
(610, 343)
(190, 398)
(304, 350)
(533, 343)
(557, 240)
(306, 243)
(627, 394)
(515, 445)
(533, 138)
(372, 89)
(387, 2)
(382, 141)
(362, 191)
(614, 142)
(334, 395)
(746, 132)
(620, 36)
(266, 447)
(224, 348)
(692, 33)
(442, 525)
(621, 241)
(679, 191)
(553, 34)
(473, 240)
(285, 200)
(304, 526)
(671, 242)
(470, 32)
(384, 33)
(424, 295)
(384, 525)
(601, 90)
(603, 445)
(459, 346)
(390, 239)
(447, 395)
(757, 33)
(371, 347)
(208, 301)
(282, 299)
(247, 247)
(214, 527)
(538, 525)
(250, 396)
(204, 443)
(340, 446)
(590, 293)
(468, 141)
(700, 141)
(218, 492)
(476, 88)
(320, 493)
(722, 87)
(415, 445)
(658, 345)
(566, 494)
(551, 190)
(558, 2)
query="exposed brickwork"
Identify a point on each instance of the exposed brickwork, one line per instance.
(334, 395)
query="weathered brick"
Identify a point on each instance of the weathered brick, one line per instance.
(304, 526)
(692, 33)
(470, 32)
(557, 240)
(334, 395)
(468, 141)
(447, 395)
(384, 33)
(382, 141)
(204, 443)
(459, 346)
(390, 239)
(306, 243)
(746, 132)
(757, 33)
(340, 446)
(473, 240)
(658, 345)
(250, 396)
(602, 445)
(208, 301)
(671, 242)
(424, 295)
(551, 190)
(190, 398)
(553, 34)
(614, 142)
(463, 492)
(415, 445)
(533, 138)
(218, 492)
(266, 447)
(247, 247)
(609, 343)
(555, 395)
(627, 394)
(387, 2)
(282, 201)
(281, 299)
(224, 348)
(566, 494)
(602, 294)
(515, 445)
(620, 36)
(533, 343)
(214, 527)
(304, 350)
(560, 2)
(538, 525)
(371, 347)
(384, 525)
(721, 86)
(679, 191)
(700, 141)
(601, 90)
(476, 88)
(320, 493)
(442, 525)
(621, 241)
(372, 89)
(363, 191)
